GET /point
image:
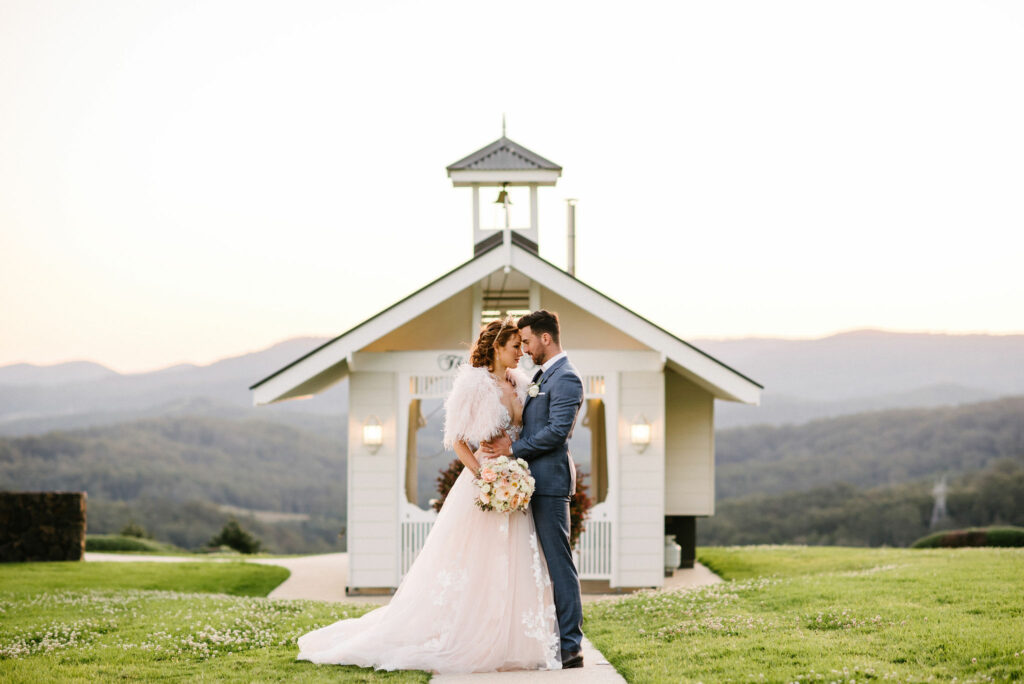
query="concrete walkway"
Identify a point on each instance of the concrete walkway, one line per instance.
(323, 578)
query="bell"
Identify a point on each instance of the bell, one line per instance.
(503, 197)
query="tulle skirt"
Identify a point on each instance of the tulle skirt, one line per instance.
(478, 598)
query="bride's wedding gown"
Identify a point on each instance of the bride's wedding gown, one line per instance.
(478, 598)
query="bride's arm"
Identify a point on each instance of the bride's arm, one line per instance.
(467, 457)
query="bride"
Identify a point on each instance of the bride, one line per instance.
(478, 598)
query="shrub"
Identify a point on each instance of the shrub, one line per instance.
(232, 535)
(114, 542)
(974, 536)
(445, 482)
(579, 508)
(134, 530)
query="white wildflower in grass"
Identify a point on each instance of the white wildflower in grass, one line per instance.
(194, 625)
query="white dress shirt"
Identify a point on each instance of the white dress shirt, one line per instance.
(551, 362)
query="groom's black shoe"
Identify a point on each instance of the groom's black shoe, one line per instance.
(571, 660)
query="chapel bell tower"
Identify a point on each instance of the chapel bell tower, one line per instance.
(504, 164)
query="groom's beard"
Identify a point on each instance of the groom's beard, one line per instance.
(538, 358)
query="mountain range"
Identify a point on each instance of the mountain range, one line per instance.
(804, 379)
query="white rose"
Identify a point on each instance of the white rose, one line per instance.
(533, 390)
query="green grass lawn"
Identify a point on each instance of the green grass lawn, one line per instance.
(786, 614)
(161, 621)
(826, 614)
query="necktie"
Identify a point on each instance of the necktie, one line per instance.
(536, 376)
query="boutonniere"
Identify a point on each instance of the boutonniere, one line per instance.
(533, 390)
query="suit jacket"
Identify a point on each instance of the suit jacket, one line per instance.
(548, 421)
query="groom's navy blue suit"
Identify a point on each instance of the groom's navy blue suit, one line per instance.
(548, 419)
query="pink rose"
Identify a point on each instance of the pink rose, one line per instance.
(488, 475)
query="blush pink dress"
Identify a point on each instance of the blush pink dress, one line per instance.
(478, 598)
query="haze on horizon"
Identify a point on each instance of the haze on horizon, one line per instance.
(189, 182)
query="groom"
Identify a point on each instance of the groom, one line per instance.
(549, 413)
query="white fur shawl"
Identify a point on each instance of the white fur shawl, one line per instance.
(473, 411)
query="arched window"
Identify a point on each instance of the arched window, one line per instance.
(425, 455)
(589, 442)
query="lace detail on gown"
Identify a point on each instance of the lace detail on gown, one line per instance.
(478, 598)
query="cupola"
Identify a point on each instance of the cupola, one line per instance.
(504, 164)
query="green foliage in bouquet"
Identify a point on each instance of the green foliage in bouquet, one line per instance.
(232, 535)
(579, 505)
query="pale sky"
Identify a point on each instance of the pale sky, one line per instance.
(186, 181)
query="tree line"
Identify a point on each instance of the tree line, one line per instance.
(845, 515)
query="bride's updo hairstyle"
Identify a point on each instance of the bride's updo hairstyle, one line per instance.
(493, 335)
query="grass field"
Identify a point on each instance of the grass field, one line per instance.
(206, 621)
(826, 614)
(786, 614)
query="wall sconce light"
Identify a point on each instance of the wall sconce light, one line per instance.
(640, 434)
(373, 434)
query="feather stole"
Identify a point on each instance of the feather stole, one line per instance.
(473, 411)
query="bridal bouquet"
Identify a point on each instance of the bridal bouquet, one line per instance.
(505, 485)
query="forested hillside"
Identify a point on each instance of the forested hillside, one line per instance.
(869, 449)
(845, 515)
(170, 474)
(867, 480)
(838, 480)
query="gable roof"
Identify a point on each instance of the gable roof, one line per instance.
(329, 363)
(503, 155)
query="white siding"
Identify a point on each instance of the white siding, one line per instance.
(690, 448)
(641, 476)
(372, 484)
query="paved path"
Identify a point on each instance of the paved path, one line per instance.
(595, 669)
(323, 578)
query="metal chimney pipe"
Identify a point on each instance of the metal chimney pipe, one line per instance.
(571, 218)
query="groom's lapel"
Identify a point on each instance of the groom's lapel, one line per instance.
(550, 372)
(544, 378)
(528, 397)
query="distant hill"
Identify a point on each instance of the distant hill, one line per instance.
(868, 449)
(804, 379)
(33, 399)
(893, 515)
(867, 370)
(174, 475)
(59, 374)
(180, 475)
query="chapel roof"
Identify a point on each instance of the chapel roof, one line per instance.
(503, 155)
(328, 363)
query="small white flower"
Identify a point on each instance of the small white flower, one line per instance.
(533, 390)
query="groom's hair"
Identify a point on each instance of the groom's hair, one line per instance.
(541, 322)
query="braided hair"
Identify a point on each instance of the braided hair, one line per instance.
(493, 335)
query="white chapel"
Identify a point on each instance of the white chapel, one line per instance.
(648, 414)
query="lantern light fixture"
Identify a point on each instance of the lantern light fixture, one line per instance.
(373, 434)
(640, 434)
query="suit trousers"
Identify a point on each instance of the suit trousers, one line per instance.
(551, 516)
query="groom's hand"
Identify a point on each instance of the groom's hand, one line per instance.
(499, 446)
